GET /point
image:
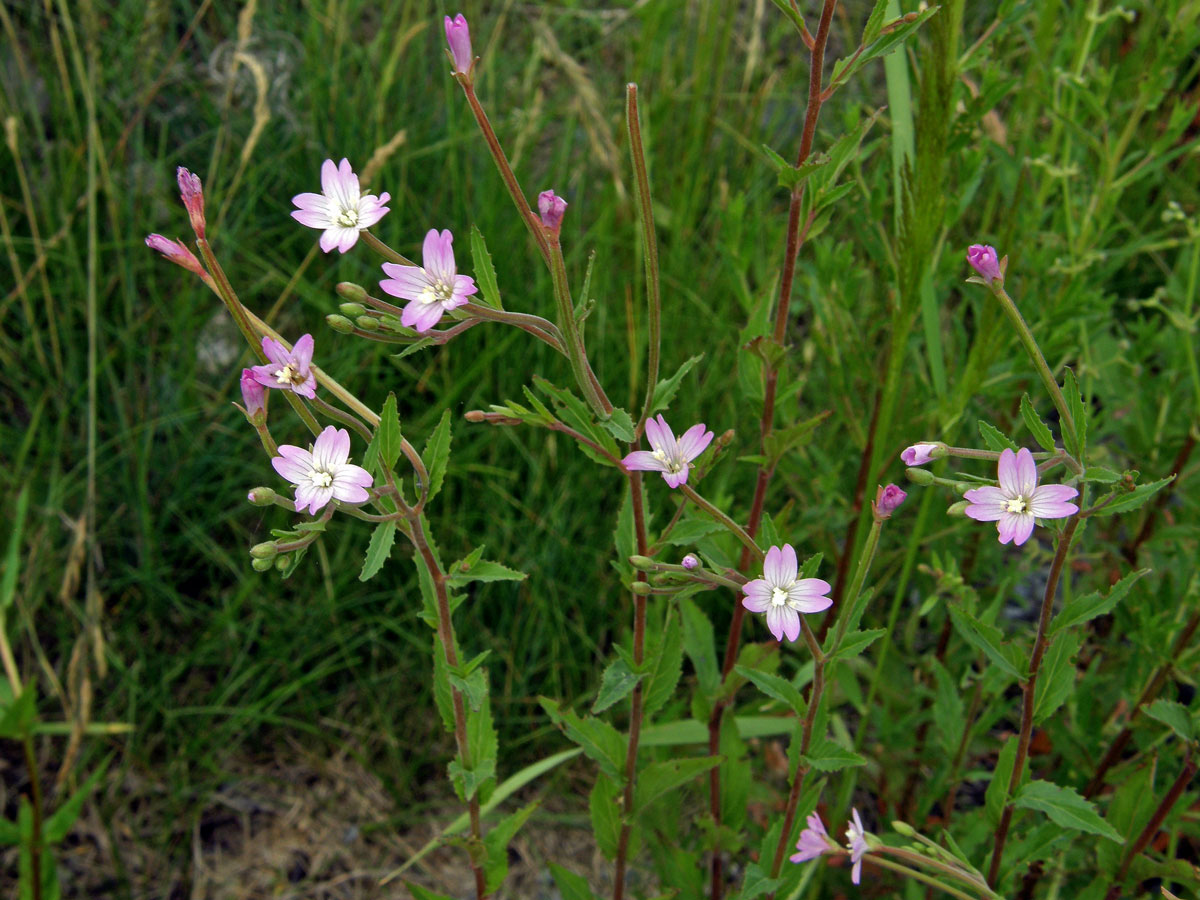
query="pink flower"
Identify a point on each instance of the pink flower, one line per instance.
(1019, 500)
(458, 36)
(858, 846)
(552, 208)
(253, 393)
(983, 260)
(781, 596)
(431, 290)
(671, 457)
(919, 454)
(887, 500)
(192, 195)
(288, 370)
(814, 841)
(691, 561)
(323, 474)
(177, 252)
(341, 209)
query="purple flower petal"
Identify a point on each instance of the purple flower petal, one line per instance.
(776, 620)
(773, 567)
(987, 504)
(790, 566)
(1049, 501)
(1007, 474)
(694, 441)
(1026, 472)
(643, 461)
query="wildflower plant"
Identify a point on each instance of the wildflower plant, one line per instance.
(743, 551)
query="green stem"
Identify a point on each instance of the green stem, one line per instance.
(385, 251)
(878, 860)
(860, 575)
(570, 329)
(641, 180)
(734, 528)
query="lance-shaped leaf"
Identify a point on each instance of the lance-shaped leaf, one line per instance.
(1089, 606)
(1065, 808)
(661, 777)
(599, 740)
(485, 272)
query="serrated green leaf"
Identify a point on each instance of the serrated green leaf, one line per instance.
(599, 740)
(665, 390)
(995, 439)
(1175, 716)
(619, 425)
(775, 687)
(1065, 808)
(890, 38)
(780, 443)
(473, 687)
(699, 644)
(437, 455)
(1101, 474)
(1135, 498)
(20, 714)
(570, 885)
(605, 816)
(1056, 680)
(617, 682)
(387, 433)
(688, 531)
(442, 696)
(756, 883)
(414, 347)
(825, 755)
(988, 639)
(378, 550)
(1078, 441)
(1089, 606)
(497, 841)
(947, 709)
(996, 796)
(666, 669)
(1038, 429)
(484, 570)
(856, 642)
(485, 272)
(468, 781)
(662, 777)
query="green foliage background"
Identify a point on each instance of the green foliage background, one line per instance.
(1063, 141)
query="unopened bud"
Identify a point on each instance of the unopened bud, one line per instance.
(726, 438)
(691, 561)
(367, 323)
(354, 293)
(262, 565)
(261, 496)
(641, 562)
(904, 828)
(958, 509)
(919, 454)
(641, 588)
(983, 259)
(475, 415)
(352, 310)
(192, 194)
(458, 36)
(340, 324)
(265, 550)
(281, 563)
(919, 476)
(254, 395)
(177, 252)
(887, 500)
(552, 208)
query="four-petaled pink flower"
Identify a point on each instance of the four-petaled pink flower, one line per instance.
(782, 596)
(983, 260)
(458, 36)
(1020, 499)
(552, 208)
(918, 454)
(431, 290)
(858, 846)
(341, 210)
(288, 369)
(673, 458)
(814, 841)
(324, 473)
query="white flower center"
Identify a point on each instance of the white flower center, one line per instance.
(320, 478)
(348, 218)
(674, 464)
(779, 596)
(1016, 505)
(288, 375)
(437, 291)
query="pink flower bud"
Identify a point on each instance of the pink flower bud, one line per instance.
(552, 207)
(919, 454)
(691, 561)
(983, 260)
(253, 394)
(887, 499)
(458, 36)
(177, 252)
(193, 198)
(261, 496)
